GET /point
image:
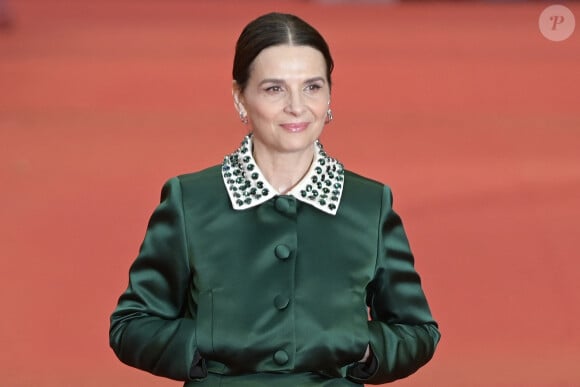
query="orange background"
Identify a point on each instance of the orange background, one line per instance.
(465, 109)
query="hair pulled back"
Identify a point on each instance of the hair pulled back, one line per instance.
(275, 29)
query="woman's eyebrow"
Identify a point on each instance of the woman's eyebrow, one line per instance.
(280, 81)
(316, 79)
(271, 80)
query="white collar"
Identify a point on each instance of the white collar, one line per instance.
(247, 187)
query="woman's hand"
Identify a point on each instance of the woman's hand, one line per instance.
(366, 355)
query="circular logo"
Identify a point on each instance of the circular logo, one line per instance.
(557, 23)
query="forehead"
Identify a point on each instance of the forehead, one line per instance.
(284, 61)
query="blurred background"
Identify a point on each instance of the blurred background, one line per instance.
(465, 109)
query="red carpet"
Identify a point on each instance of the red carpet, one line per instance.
(465, 109)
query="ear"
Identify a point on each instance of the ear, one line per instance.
(238, 97)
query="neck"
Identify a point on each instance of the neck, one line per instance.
(283, 170)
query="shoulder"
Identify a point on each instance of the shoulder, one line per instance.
(196, 184)
(203, 176)
(364, 191)
(198, 190)
(363, 183)
(364, 195)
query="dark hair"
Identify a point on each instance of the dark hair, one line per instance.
(275, 29)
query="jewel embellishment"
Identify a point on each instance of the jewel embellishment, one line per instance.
(322, 187)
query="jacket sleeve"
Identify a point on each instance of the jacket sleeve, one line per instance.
(148, 327)
(403, 334)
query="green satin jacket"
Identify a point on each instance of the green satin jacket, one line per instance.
(280, 293)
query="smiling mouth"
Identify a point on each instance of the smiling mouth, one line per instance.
(295, 127)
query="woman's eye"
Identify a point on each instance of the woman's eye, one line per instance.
(273, 89)
(313, 87)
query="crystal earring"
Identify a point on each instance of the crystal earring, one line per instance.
(243, 117)
(329, 116)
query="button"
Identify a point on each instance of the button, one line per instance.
(282, 251)
(282, 205)
(281, 357)
(281, 302)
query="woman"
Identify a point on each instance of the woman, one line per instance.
(262, 271)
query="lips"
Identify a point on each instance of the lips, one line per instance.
(295, 126)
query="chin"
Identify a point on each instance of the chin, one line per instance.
(298, 141)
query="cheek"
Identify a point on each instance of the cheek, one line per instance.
(264, 109)
(319, 104)
(265, 113)
(321, 110)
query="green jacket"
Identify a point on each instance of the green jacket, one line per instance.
(277, 294)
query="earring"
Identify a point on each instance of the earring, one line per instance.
(243, 117)
(329, 116)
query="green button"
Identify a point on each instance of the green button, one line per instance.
(282, 205)
(281, 302)
(282, 251)
(281, 357)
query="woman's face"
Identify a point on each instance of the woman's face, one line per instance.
(286, 98)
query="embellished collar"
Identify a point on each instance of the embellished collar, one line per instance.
(247, 187)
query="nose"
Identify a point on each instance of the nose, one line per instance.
(295, 103)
